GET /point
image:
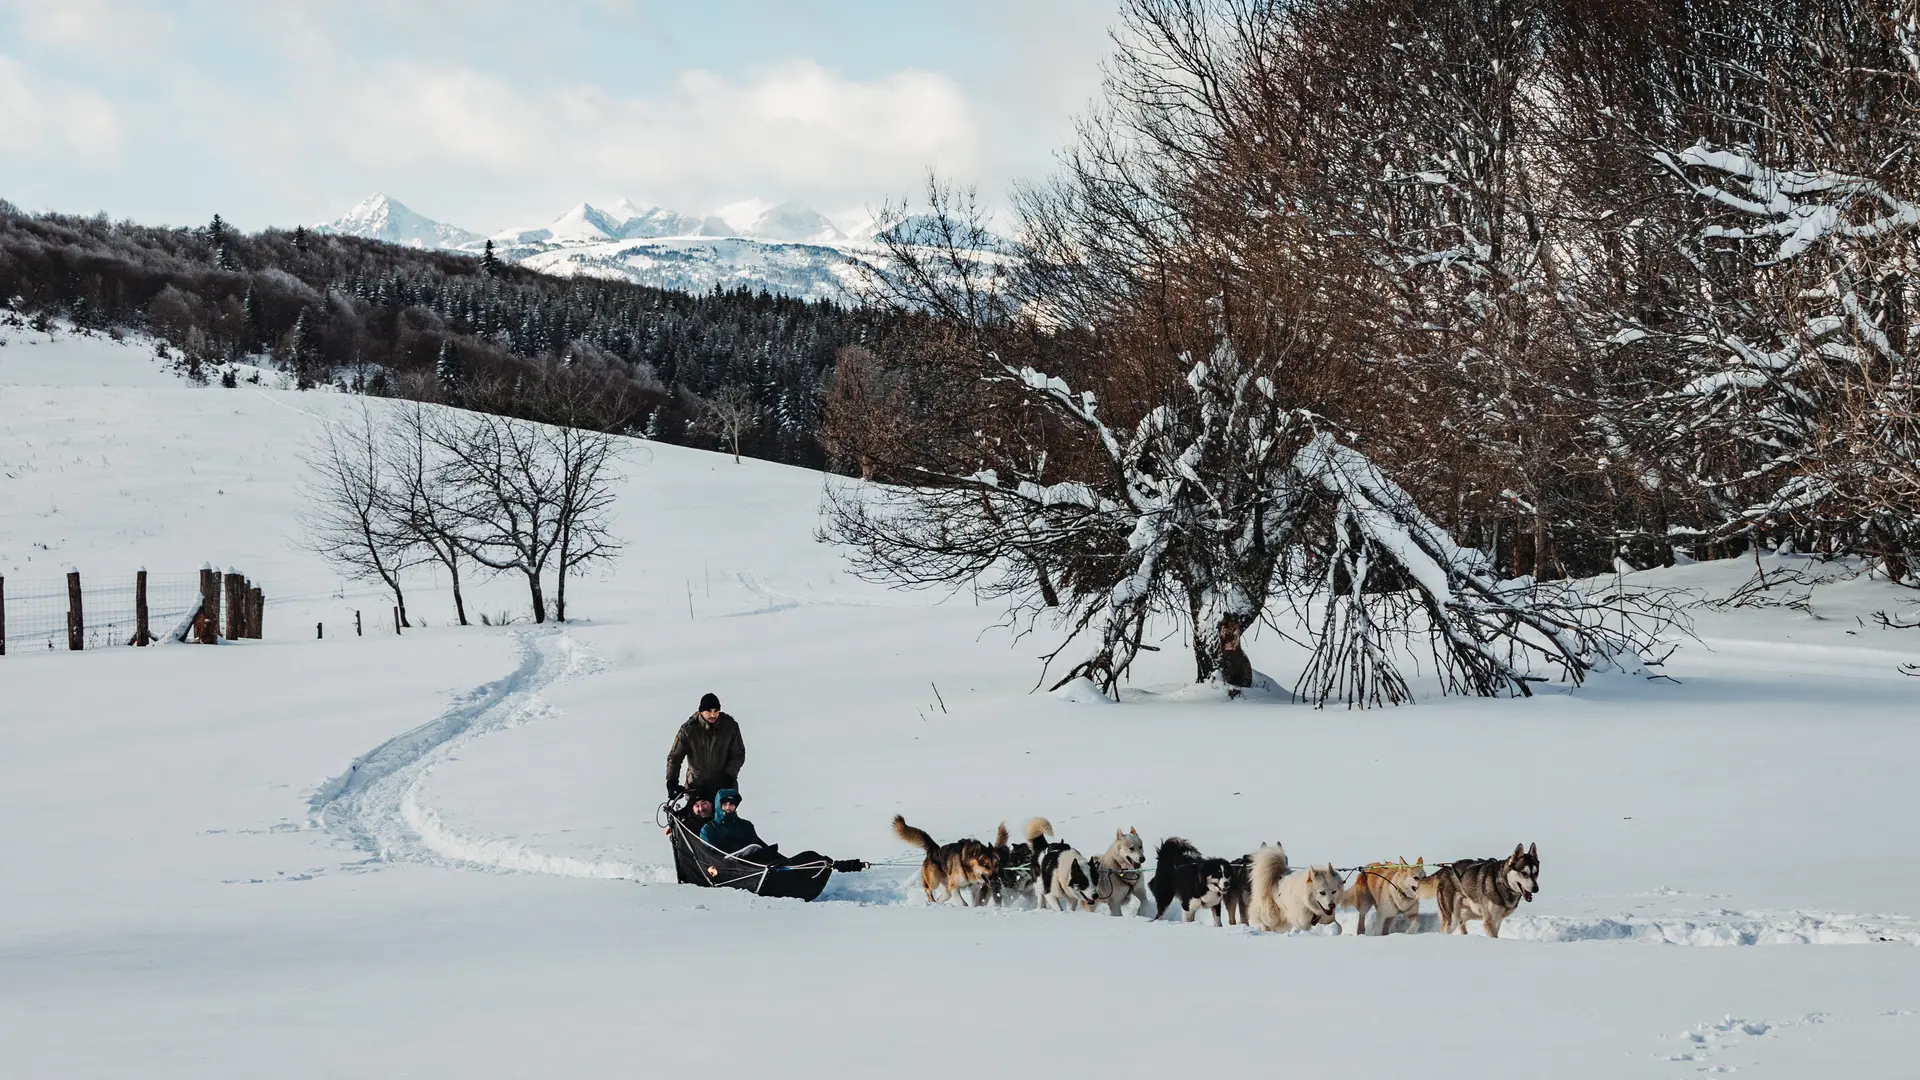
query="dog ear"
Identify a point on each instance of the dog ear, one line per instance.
(1118, 835)
(1518, 851)
(1131, 831)
(1533, 850)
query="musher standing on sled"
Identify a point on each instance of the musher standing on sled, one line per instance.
(710, 745)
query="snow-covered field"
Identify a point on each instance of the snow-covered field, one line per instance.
(435, 854)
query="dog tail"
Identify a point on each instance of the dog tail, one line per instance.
(1269, 866)
(911, 835)
(1000, 836)
(1038, 829)
(1173, 849)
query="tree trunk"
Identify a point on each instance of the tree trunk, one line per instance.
(560, 588)
(1235, 668)
(1217, 630)
(539, 598)
(459, 602)
(1542, 552)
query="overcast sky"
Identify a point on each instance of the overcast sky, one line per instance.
(492, 114)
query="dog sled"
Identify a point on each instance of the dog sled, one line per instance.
(797, 877)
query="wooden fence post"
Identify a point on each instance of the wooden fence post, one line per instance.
(356, 624)
(142, 635)
(259, 612)
(76, 618)
(3, 615)
(319, 631)
(198, 631)
(207, 622)
(236, 620)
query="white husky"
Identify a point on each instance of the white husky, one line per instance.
(1296, 900)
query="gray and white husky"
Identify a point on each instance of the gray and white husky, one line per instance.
(1484, 889)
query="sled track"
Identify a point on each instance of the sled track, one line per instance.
(375, 804)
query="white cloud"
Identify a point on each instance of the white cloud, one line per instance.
(97, 26)
(794, 129)
(489, 113)
(42, 117)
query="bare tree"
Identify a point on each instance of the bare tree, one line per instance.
(423, 494)
(356, 505)
(729, 414)
(588, 471)
(522, 495)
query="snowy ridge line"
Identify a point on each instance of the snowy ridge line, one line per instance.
(375, 804)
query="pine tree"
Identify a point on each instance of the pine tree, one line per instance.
(299, 346)
(218, 233)
(250, 310)
(302, 242)
(447, 369)
(489, 262)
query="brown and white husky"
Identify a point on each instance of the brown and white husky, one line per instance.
(956, 869)
(1392, 890)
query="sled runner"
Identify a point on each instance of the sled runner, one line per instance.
(696, 862)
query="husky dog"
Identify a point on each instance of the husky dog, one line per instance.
(1296, 900)
(1181, 873)
(1484, 889)
(1063, 877)
(1117, 875)
(954, 869)
(1017, 861)
(1392, 889)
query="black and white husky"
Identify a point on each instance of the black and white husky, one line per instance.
(1064, 879)
(1181, 873)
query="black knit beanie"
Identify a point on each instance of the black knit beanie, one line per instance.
(709, 701)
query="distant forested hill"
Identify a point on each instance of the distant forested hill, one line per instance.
(386, 320)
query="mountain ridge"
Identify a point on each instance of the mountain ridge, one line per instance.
(786, 248)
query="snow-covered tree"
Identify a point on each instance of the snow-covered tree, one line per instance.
(448, 372)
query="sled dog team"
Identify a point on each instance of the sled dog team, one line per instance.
(1260, 889)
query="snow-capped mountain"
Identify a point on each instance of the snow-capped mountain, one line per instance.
(784, 247)
(381, 217)
(789, 221)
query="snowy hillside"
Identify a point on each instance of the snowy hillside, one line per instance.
(785, 248)
(435, 854)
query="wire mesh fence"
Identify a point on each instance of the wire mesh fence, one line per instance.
(36, 610)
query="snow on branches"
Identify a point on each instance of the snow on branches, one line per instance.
(1219, 507)
(1801, 207)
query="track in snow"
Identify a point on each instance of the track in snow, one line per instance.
(375, 804)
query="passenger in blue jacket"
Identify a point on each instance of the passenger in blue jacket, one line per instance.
(728, 831)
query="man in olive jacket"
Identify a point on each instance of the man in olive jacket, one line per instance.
(710, 745)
